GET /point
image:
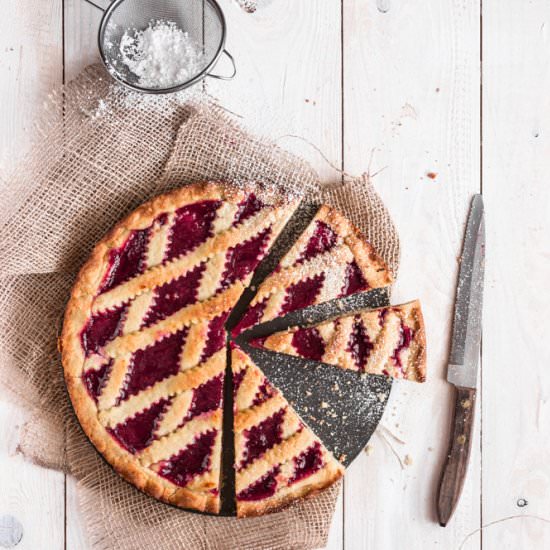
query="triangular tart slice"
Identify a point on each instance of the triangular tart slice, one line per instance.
(144, 339)
(330, 259)
(278, 459)
(388, 340)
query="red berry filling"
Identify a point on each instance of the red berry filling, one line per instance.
(216, 337)
(95, 379)
(250, 206)
(138, 432)
(192, 227)
(308, 343)
(101, 328)
(307, 463)
(359, 344)
(153, 364)
(258, 342)
(244, 258)
(127, 261)
(323, 239)
(382, 316)
(207, 397)
(252, 316)
(355, 282)
(264, 487)
(405, 339)
(192, 461)
(302, 294)
(265, 391)
(175, 295)
(262, 437)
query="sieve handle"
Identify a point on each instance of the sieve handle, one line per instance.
(223, 77)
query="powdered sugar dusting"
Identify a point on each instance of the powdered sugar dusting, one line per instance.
(340, 406)
(161, 56)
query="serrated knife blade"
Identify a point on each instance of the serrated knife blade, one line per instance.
(466, 337)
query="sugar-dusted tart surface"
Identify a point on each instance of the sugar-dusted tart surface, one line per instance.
(329, 260)
(388, 340)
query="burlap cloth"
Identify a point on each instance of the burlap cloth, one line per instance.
(99, 153)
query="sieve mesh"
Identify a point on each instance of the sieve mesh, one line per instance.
(202, 20)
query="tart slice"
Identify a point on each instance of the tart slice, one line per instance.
(277, 457)
(143, 343)
(329, 260)
(387, 340)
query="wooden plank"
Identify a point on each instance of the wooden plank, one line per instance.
(336, 534)
(34, 496)
(288, 79)
(275, 93)
(516, 385)
(288, 83)
(76, 531)
(411, 95)
(30, 65)
(81, 25)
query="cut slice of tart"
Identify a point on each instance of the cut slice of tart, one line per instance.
(388, 340)
(143, 343)
(329, 260)
(277, 457)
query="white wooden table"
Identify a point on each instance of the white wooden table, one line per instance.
(457, 88)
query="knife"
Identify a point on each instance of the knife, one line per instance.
(464, 360)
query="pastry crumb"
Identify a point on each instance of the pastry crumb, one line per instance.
(369, 450)
(408, 460)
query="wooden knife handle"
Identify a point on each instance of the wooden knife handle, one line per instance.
(456, 464)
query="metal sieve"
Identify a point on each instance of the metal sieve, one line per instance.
(202, 20)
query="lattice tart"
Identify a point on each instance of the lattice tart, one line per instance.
(388, 340)
(144, 343)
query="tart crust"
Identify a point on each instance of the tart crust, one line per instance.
(140, 469)
(80, 306)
